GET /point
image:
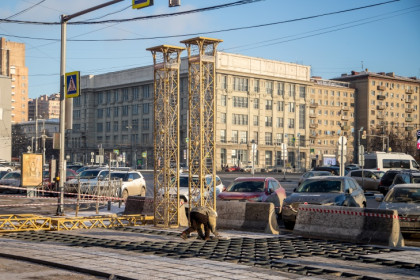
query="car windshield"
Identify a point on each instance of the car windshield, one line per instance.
(318, 186)
(12, 175)
(117, 176)
(89, 174)
(246, 186)
(404, 195)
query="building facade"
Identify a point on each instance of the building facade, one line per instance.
(5, 119)
(387, 109)
(12, 64)
(48, 107)
(258, 101)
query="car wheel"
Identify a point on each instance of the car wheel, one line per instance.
(124, 195)
(143, 191)
(289, 225)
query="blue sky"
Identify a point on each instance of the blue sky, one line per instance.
(383, 38)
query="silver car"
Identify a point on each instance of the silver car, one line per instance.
(405, 198)
(328, 190)
(310, 174)
(368, 179)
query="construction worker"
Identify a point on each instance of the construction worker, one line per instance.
(199, 217)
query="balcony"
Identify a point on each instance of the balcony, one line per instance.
(408, 119)
(409, 91)
(313, 105)
(380, 107)
(344, 118)
(409, 110)
(379, 126)
(381, 88)
(409, 128)
(345, 127)
(313, 125)
(312, 115)
(379, 117)
(409, 100)
(380, 97)
(345, 108)
(312, 135)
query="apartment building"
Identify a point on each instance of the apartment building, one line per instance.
(258, 101)
(48, 107)
(387, 109)
(12, 64)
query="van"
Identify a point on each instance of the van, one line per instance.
(386, 161)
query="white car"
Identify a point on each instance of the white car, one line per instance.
(5, 168)
(133, 183)
(89, 180)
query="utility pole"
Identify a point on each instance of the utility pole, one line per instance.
(62, 167)
(36, 125)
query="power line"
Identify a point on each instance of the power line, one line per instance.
(214, 31)
(25, 10)
(237, 3)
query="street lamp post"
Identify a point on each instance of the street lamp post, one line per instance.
(358, 141)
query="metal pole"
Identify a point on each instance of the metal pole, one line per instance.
(62, 169)
(36, 125)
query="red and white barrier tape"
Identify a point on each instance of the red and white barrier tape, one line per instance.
(354, 213)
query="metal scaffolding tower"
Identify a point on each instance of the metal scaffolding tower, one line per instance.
(166, 60)
(202, 120)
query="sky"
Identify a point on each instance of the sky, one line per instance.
(331, 36)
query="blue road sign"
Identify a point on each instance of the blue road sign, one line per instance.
(138, 4)
(72, 84)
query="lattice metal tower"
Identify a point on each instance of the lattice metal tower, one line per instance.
(202, 120)
(166, 61)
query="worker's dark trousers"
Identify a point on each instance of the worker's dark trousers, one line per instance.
(197, 220)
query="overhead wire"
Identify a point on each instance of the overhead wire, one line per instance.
(24, 10)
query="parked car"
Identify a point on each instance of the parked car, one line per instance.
(310, 174)
(133, 183)
(75, 167)
(5, 168)
(248, 168)
(184, 190)
(89, 180)
(2, 173)
(256, 189)
(386, 161)
(404, 198)
(335, 170)
(406, 177)
(328, 190)
(368, 179)
(48, 185)
(387, 179)
(233, 169)
(13, 179)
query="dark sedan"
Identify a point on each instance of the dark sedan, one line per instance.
(327, 190)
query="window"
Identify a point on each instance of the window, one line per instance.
(116, 111)
(302, 116)
(223, 117)
(145, 124)
(100, 98)
(268, 158)
(291, 123)
(240, 84)
(269, 104)
(115, 125)
(135, 109)
(223, 136)
(257, 85)
(279, 138)
(302, 91)
(280, 89)
(124, 125)
(108, 112)
(256, 103)
(145, 138)
(146, 91)
(256, 120)
(108, 127)
(268, 121)
(108, 97)
(223, 83)
(99, 127)
(99, 113)
(135, 93)
(146, 108)
(125, 110)
(223, 99)
(243, 137)
(291, 107)
(292, 90)
(280, 106)
(76, 114)
(125, 94)
(116, 97)
(280, 122)
(240, 119)
(269, 85)
(135, 124)
(241, 102)
(256, 137)
(234, 138)
(268, 138)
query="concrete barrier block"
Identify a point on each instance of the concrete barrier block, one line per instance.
(139, 205)
(230, 214)
(359, 225)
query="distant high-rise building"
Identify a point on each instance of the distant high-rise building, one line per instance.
(5, 127)
(48, 107)
(12, 65)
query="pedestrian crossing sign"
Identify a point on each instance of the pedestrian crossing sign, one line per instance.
(72, 84)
